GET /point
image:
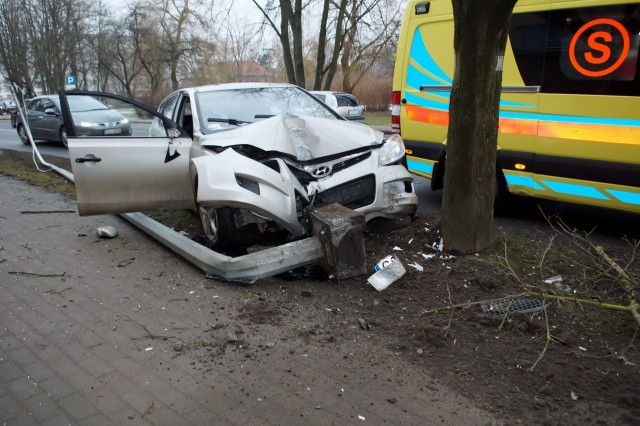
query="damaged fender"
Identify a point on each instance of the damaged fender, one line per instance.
(229, 179)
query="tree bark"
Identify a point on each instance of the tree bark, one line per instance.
(481, 30)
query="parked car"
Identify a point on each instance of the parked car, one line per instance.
(16, 113)
(248, 157)
(347, 105)
(91, 118)
(7, 107)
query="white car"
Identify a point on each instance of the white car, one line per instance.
(347, 105)
(248, 157)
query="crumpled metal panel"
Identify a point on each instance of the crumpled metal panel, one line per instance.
(305, 138)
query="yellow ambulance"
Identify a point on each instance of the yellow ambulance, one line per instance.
(569, 126)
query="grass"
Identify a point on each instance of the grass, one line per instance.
(377, 117)
(19, 165)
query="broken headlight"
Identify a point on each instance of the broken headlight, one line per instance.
(392, 150)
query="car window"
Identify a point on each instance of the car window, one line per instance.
(321, 97)
(168, 106)
(346, 100)
(102, 115)
(46, 104)
(225, 109)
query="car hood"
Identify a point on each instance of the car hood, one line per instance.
(97, 116)
(305, 138)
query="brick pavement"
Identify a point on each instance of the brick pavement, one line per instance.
(88, 328)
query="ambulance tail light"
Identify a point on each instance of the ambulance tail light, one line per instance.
(395, 112)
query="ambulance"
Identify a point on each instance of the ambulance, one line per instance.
(569, 126)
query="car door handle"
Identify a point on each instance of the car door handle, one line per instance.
(88, 160)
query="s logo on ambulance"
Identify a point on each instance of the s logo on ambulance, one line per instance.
(599, 57)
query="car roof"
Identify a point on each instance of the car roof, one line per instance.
(233, 86)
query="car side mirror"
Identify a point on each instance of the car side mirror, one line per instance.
(173, 133)
(50, 111)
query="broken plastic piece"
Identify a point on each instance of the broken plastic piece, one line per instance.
(387, 275)
(501, 307)
(416, 266)
(107, 232)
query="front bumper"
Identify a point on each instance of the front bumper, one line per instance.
(229, 179)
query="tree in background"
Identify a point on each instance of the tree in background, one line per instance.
(480, 38)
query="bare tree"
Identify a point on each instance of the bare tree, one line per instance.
(371, 29)
(15, 54)
(480, 37)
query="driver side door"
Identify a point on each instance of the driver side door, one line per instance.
(136, 170)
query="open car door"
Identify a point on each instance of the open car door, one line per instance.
(124, 156)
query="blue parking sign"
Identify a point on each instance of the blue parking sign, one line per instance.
(70, 81)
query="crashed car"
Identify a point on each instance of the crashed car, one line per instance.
(247, 157)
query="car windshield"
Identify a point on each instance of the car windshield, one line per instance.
(225, 109)
(85, 103)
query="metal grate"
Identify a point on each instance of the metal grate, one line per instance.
(501, 307)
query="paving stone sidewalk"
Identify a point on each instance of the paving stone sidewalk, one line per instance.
(90, 332)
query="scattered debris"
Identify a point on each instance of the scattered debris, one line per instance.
(148, 349)
(232, 337)
(396, 248)
(501, 307)
(107, 231)
(553, 280)
(416, 266)
(125, 262)
(178, 346)
(391, 269)
(364, 324)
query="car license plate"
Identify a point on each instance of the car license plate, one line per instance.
(354, 112)
(111, 131)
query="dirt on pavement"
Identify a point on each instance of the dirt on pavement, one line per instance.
(571, 363)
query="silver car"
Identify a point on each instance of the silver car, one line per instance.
(344, 103)
(248, 157)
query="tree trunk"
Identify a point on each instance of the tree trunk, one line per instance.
(481, 30)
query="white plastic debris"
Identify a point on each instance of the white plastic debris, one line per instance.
(107, 231)
(410, 241)
(553, 280)
(389, 272)
(361, 417)
(428, 256)
(396, 248)
(441, 245)
(148, 349)
(416, 266)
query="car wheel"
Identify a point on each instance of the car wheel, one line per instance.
(219, 226)
(63, 137)
(22, 132)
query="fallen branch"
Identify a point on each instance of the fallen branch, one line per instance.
(46, 211)
(153, 336)
(35, 274)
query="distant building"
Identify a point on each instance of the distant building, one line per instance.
(253, 71)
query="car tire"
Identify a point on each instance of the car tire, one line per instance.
(63, 137)
(22, 132)
(220, 228)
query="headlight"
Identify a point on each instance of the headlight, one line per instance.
(391, 151)
(87, 124)
(124, 121)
